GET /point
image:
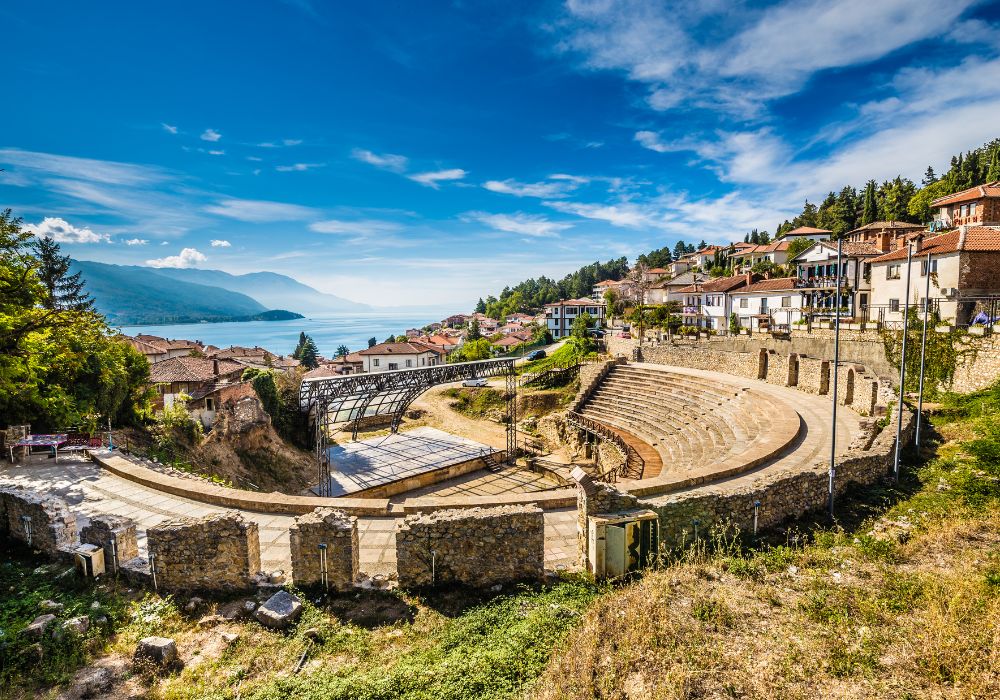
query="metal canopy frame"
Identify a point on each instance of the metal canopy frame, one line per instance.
(335, 400)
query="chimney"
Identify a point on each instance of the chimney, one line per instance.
(962, 231)
(918, 242)
(883, 241)
(749, 278)
(215, 367)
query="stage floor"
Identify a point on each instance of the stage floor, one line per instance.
(360, 465)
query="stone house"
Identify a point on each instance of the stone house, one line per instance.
(668, 289)
(976, 206)
(200, 378)
(816, 272)
(559, 315)
(963, 264)
(386, 357)
(169, 348)
(771, 303)
(352, 363)
(887, 235)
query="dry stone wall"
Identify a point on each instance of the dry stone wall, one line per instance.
(116, 535)
(741, 364)
(977, 365)
(43, 522)
(217, 553)
(338, 533)
(477, 547)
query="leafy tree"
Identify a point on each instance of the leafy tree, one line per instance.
(661, 257)
(797, 245)
(734, 323)
(612, 302)
(581, 324)
(472, 350)
(63, 290)
(342, 351)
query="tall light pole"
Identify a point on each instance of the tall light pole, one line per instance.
(923, 350)
(902, 364)
(836, 372)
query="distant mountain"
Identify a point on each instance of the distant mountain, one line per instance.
(270, 289)
(134, 295)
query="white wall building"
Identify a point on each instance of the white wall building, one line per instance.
(768, 303)
(559, 315)
(386, 357)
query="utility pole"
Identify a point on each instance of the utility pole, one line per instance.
(923, 350)
(902, 364)
(836, 373)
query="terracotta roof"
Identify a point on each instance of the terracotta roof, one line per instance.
(658, 271)
(190, 369)
(743, 244)
(773, 247)
(981, 239)
(882, 225)
(607, 283)
(410, 348)
(778, 284)
(144, 347)
(719, 284)
(860, 248)
(575, 302)
(990, 189)
(240, 351)
(332, 370)
(806, 231)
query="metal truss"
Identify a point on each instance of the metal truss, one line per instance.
(336, 400)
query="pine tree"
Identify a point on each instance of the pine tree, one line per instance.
(993, 173)
(755, 237)
(474, 332)
(765, 237)
(869, 207)
(342, 351)
(746, 238)
(480, 306)
(929, 177)
(297, 353)
(702, 245)
(309, 357)
(679, 250)
(63, 290)
(372, 342)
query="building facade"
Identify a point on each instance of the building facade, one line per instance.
(559, 315)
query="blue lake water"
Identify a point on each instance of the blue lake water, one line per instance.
(328, 330)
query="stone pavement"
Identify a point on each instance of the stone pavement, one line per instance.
(90, 490)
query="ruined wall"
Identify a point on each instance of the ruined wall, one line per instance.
(740, 364)
(977, 365)
(217, 553)
(339, 532)
(814, 375)
(781, 495)
(475, 547)
(43, 522)
(116, 535)
(593, 498)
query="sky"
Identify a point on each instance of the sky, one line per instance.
(405, 153)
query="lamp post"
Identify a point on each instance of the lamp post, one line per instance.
(923, 350)
(902, 363)
(836, 373)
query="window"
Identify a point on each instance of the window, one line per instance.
(409, 363)
(744, 303)
(894, 305)
(965, 210)
(786, 302)
(375, 362)
(393, 365)
(892, 271)
(923, 267)
(209, 405)
(972, 209)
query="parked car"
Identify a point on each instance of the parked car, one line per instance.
(474, 382)
(536, 355)
(625, 335)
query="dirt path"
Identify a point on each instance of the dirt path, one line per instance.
(438, 414)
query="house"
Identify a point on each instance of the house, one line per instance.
(808, 232)
(963, 264)
(769, 303)
(444, 342)
(559, 315)
(885, 234)
(171, 348)
(706, 256)
(707, 304)
(352, 363)
(510, 341)
(386, 357)
(745, 257)
(816, 270)
(256, 357)
(153, 353)
(200, 378)
(976, 206)
(680, 265)
(667, 289)
(454, 321)
(601, 287)
(520, 318)
(414, 332)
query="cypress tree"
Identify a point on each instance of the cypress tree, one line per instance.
(869, 208)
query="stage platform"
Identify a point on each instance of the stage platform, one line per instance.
(398, 462)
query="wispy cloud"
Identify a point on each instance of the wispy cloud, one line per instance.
(624, 214)
(61, 231)
(188, 257)
(259, 211)
(359, 227)
(387, 161)
(169, 128)
(103, 171)
(136, 241)
(556, 186)
(298, 167)
(217, 243)
(210, 135)
(434, 178)
(520, 223)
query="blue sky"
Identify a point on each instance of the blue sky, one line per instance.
(426, 153)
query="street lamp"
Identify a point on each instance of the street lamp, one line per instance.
(902, 363)
(923, 350)
(836, 373)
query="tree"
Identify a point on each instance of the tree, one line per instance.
(474, 332)
(734, 324)
(297, 353)
(309, 357)
(581, 324)
(372, 342)
(639, 286)
(480, 306)
(342, 351)
(63, 290)
(680, 250)
(702, 245)
(929, 177)
(869, 206)
(797, 245)
(612, 302)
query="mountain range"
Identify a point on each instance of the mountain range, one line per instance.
(137, 295)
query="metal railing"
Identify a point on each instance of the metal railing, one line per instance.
(634, 463)
(551, 376)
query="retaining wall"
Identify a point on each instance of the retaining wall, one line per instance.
(51, 528)
(339, 533)
(217, 553)
(475, 547)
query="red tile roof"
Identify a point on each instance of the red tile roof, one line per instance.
(806, 231)
(720, 284)
(981, 239)
(778, 284)
(411, 348)
(191, 369)
(990, 189)
(575, 302)
(886, 225)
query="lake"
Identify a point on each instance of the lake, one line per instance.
(280, 337)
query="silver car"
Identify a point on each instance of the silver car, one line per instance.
(475, 382)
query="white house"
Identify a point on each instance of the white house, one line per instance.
(808, 232)
(768, 303)
(386, 357)
(746, 257)
(707, 304)
(559, 315)
(816, 269)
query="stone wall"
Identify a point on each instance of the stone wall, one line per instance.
(814, 375)
(781, 496)
(218, 553)
(51, 527)
(116, 535)
(476, 547)
(741, 364)
(978, 364)
(339, 532)
(592, 498)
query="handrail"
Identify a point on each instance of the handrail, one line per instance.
(550, 372)
(634, 463)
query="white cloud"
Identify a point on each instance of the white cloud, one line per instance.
(169, 129)
(291, 142)
(359, 227)
(434, 177)
(557, 186)
(216, 153)
(103, 171)
(255, 159)
(259, 211)
(653, 141)
(621, 214)
(386, 161)
(520, 223)
(210, 135)
(61, 231)
(189, 257)
(216, 243)
(136, 241)
(298, 167)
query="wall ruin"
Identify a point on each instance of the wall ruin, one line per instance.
(339, 533)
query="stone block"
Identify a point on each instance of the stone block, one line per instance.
(116, 535)
(160, 651)
(476, 547)
(338, 534)
(43, 522)
(280, 611)
(39, 625)
(218, 553)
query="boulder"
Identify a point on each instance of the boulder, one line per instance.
(92, 682)
(79, 624)
(38, 626)
(280, 610)
(51, 605)
(161, 651)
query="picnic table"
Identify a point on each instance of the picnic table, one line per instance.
(51, 441)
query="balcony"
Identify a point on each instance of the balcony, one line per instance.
(819, 282)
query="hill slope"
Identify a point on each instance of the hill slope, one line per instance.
(138, 295)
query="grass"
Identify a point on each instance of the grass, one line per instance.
(481, 403)
(572, 351)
